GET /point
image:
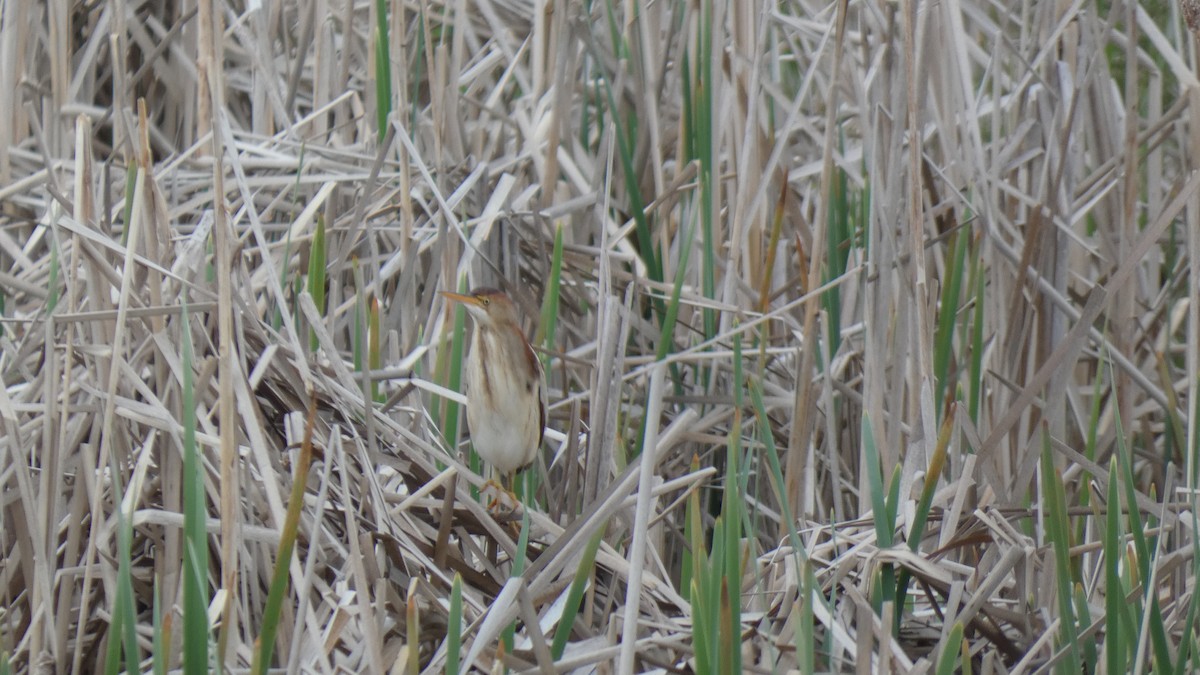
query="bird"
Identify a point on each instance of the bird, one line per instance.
(506, 389)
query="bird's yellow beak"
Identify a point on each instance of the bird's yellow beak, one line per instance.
(469, 300)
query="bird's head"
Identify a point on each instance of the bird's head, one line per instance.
(489, 307)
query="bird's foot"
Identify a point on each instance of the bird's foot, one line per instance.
(501, 500)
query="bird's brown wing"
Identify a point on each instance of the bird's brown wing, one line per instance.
(542, 400)
(539, 378)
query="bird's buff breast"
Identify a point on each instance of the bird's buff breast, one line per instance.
(504, 425)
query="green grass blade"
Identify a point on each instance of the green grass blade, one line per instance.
(287, 543)
(948, 658)
(806, 640)
(52, 291)
(361, 310)
(977, 332)
(702, 631)
(1057, 531)
(921, 514)
(1158, 635)
(575, 595)
(1187, 647)
(1144, 558)
(703, 143)
(836, 252)
(943, 339)
(518, 567)
(1117, 635)
(1140, 546)
(449, 414)
(665, 343)
(196, 598)
(693, 534)
(383, 69)
(728, 637)
(806, 645)
(883, 528)
(1087, 648)
(932, 474)
(730, 536)
(625, 151)
(316, 274)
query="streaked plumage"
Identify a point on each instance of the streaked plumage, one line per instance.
(506, 391)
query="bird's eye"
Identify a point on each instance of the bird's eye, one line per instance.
(485, 301)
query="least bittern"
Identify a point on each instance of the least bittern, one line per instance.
(506, 390)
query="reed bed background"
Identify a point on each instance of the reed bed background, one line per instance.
(871, 332)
